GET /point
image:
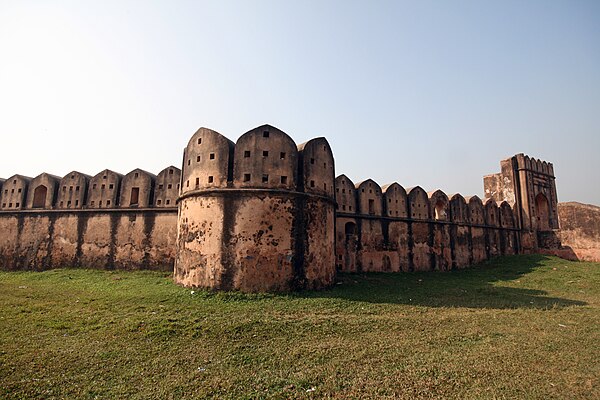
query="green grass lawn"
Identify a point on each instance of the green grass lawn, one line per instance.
(515, 327)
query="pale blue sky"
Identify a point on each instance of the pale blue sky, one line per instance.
(429, 93)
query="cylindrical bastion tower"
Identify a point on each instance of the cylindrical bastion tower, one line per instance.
(257, 215)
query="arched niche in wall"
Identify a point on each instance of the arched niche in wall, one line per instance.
(265, 157)
(418, 203)
(542, 212)
(476, 213)
(207, 161)
(491, 213)
(42, 191)
(166, 190)
(439, 204)
(104, 189)
(72, 190)
(394, 200)
(506, 215)
(318, 167)
(137, 189)
(458, 208)
(370, 198)
(345, 195)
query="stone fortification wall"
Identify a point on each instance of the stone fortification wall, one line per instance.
(579, 231)
(391, 229)
(106, 221)
(107, 239)
(265, 214)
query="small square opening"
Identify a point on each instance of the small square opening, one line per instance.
(210, 179)
(246, 177)
(212, 156)
(282, 155)
(265, 153)
(265, 133)
(284, 180)
(265, 178)
(246, 153)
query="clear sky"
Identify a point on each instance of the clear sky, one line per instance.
(429, 93)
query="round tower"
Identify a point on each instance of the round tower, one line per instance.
(256, 216)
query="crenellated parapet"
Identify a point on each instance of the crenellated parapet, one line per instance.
(418, 203)
(207, 161)
(394, 200)
(72, 191)
(14, 192)
(368, 198)
(78, 191)
(265, 157)
(394, 229)
(167, 187)
(137, 189)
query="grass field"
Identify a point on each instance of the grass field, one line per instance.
(515, 327)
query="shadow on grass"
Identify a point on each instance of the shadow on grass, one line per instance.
(477, 287)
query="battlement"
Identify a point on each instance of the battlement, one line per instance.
(107, 189)
(535, 165)
(262, 158)
(392, 201)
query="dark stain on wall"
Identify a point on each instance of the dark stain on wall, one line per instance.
(299, 243)
(228, 273)
(47, 260)
(114, 225)
(411, 246)
(149, 221)
(82, 222)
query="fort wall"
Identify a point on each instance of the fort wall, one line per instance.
(395, 230)
(265, 214)
(579, 232)
(106, 221)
